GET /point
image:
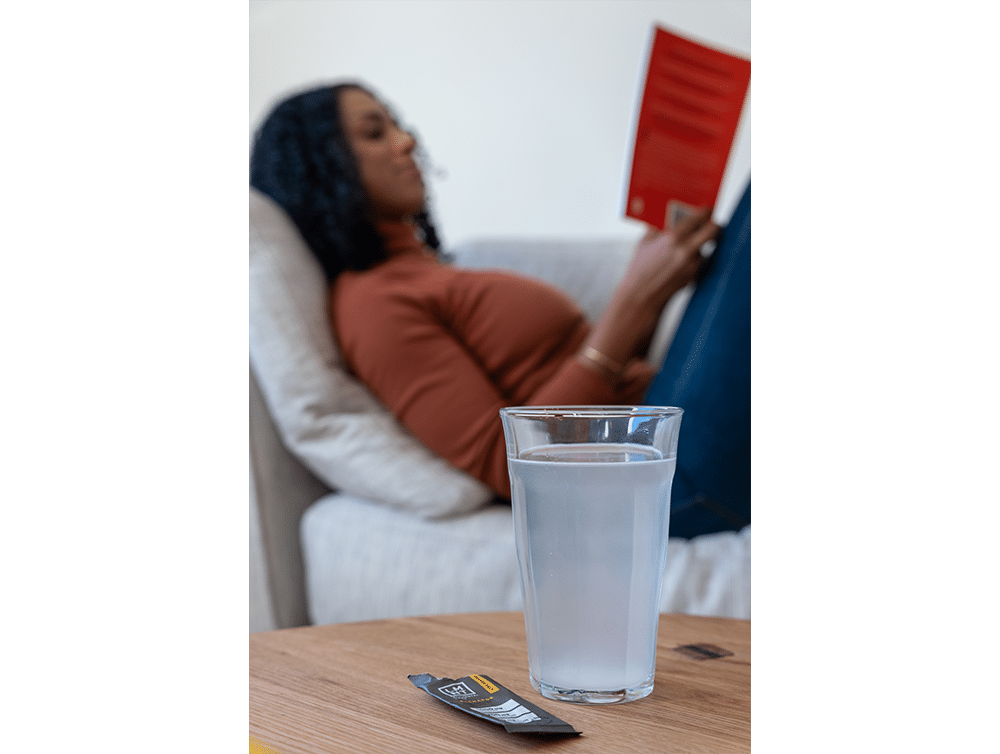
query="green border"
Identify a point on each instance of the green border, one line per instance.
(127, 367)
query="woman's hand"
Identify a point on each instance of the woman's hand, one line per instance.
(661, 265)
(663, 262)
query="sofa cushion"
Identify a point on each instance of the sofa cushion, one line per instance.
(365, 561)
(326, 418)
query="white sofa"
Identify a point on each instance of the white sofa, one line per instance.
(353, 519)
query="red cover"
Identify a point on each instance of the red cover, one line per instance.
(691, 105)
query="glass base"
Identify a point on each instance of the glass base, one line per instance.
(579, 696)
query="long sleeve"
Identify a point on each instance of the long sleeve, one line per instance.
(445, 349)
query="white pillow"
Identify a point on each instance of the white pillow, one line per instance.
(326, 418)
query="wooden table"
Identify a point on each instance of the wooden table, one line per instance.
(344, 687)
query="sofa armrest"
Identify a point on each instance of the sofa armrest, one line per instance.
(281, 489)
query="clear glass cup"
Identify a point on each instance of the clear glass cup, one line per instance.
(590, 490)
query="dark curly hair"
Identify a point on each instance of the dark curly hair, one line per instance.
(302, 160)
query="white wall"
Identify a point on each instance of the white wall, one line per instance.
(525, 106)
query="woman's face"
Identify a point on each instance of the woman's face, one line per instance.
(384, 156)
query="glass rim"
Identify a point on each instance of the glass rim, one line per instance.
(590, 412)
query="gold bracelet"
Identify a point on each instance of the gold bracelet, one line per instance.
(611, 366)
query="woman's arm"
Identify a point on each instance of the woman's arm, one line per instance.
(446, 350)
(445, 357)
(661, 265)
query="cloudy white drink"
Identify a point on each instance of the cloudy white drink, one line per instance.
(591, 525)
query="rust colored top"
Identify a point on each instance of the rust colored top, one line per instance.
(445, 348)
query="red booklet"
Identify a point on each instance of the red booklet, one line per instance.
(691, 105)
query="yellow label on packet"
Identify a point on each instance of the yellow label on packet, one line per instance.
(256, 747)
(485, 684)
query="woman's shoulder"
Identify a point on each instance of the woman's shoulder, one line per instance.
(382, 276)
(393, 284)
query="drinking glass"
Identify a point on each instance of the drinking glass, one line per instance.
(590, 488)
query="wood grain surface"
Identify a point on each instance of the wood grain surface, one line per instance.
(344, 687)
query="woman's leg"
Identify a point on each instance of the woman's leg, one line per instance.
(707, 373)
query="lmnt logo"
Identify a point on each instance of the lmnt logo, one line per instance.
(458, 691)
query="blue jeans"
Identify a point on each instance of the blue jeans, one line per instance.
(707, 373)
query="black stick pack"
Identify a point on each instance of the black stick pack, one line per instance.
(483, 697)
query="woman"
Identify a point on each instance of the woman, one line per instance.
(443, 348)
